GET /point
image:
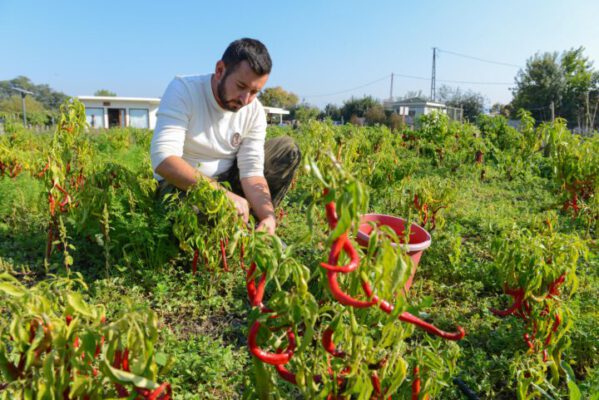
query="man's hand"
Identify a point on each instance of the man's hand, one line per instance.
(241, 205)
(268, 224)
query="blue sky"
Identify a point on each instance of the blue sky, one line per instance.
(321, 50)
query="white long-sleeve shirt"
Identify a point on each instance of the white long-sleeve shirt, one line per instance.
(190, 124)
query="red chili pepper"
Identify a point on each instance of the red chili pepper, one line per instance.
(43, 171)
(554, 329)
(342, 242)
(416, 383)
(99, 347)
(52, 203)
(69, 319)
(343, 297)
(120, 389)
(223, 253)
(411, 319)
(117, 359)
(554, 286)
(125, 361)
(270, 358)
(545, 355)
(194, 262)
(329, 346)
(529, 343)
(285, 373)
(255, 294)
(155, 395)
(376, 384)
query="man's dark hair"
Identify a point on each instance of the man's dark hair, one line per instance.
(251, 50)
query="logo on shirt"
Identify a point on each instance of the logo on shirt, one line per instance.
(236, 139)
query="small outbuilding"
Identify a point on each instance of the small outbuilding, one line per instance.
(273, 112)
(415, 107)
(115, 112)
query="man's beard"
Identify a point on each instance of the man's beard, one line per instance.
(229, 105)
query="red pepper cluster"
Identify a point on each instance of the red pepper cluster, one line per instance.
(223, 251)
(426, 213)
(283, 356)
(521, 308)
(10, 169)
(577, 190)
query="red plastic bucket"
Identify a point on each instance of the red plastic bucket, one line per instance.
(419, 239)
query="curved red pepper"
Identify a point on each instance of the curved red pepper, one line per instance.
(342, 242)
(433, 330)
(343, 297)
(255, 293)
(286, 374)
(270, 358)
(329, 346)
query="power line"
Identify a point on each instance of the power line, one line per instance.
(350, 90)
(422, 78)
(479, 59)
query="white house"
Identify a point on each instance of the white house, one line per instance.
(415, 107)
(113, 112)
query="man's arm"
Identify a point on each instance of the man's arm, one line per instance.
(257, 193)
(179, 173)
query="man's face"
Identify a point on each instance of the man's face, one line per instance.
(236, 89)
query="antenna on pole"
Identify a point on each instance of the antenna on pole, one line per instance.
(23, 94)
(391, 88)
(433, 76)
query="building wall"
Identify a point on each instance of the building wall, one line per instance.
(127, 105)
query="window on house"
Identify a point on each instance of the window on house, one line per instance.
(139, 118)
(95, 117)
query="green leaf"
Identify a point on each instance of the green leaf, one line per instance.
(12, 290)
(76, 302)
(125, 377)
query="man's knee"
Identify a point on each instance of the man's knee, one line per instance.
(283, 150)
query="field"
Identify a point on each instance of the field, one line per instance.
(122, 294)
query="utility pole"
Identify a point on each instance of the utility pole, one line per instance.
(23, 94)
(433, 76)
(552, 107)
(391, 88)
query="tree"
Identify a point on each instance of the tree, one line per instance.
(36, 112)
(375, 115)
(304, 112)
(332, 111)
(48, 97)
(105, 92)
(501, 109)
(472, 103)
(395, 122)
(278, 97)
(357, 107)
(567, 80)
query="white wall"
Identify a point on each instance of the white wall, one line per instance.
(151, 107)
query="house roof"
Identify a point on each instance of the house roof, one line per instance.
(416, 101)
(151, 100)
(276, 110)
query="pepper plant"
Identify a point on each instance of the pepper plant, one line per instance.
(538, 270)
(53, 344)
(338, 330)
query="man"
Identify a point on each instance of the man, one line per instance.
(213, 126)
